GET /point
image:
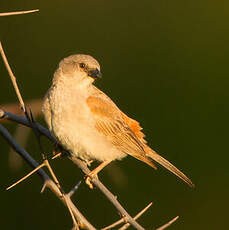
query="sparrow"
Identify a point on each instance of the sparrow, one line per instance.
(87, 123)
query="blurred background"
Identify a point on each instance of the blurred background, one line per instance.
(165, 63)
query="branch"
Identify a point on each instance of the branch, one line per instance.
(106, 192)
(12, 77)
(23, 121)
(126, 225)
(43, 131)
(74, 189)
(31, 120)
(79, 163)
(18, 12)
(45, 178)
(34, 104)
(47, 181)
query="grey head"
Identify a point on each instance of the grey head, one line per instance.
(85, 66)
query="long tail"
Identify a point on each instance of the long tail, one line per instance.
(159, 159)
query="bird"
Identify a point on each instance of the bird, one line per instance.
(89, 125)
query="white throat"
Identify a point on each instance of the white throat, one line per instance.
(75, 80)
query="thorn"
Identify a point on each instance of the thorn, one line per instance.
(44, 158)
(26, 114)
(52, 173)
(31, 115)
(18, 12)
(44, 187)
(123, 219)
(26, 176)
(74, 189)
(168, 224)
(126, 225)
(56, 156)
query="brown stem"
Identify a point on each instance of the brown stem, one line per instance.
(18, 12)
(12, 77)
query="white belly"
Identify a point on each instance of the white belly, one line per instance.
(74, 128)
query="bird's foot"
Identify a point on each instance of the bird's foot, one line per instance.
(89, 178)
(95, 172)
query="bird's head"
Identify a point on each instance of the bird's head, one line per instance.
(80, 68)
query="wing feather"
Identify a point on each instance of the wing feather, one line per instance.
(114, 124)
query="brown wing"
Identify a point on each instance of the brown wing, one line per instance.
(135, 127)
(124, 132)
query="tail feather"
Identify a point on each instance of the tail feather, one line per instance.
(162, 161)
(147, 160)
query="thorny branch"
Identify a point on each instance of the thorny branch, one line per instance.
(79, 163)
(45, 178)
(34, 104)
(30, 119)
(18, 12)
(43, 131)
(47, 181)
(123, 219)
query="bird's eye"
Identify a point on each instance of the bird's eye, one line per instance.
(82, 65)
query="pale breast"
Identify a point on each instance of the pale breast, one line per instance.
(72, 125)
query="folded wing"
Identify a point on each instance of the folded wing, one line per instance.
(125, 133)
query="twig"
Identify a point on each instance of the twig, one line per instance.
(46, 163)
(74, 189)
(168, 224)
(75, 226)
(18, 12)
(106, 192)
(13, 78)
(22, 120)
(45, 178)
(34, 104)
(26, 176)
(125, 226)
(34, 128)
(80, 164)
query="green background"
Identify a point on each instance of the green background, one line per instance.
(165, 63)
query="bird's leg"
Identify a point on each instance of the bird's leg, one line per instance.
(94, 173)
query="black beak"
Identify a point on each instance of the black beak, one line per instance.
(95, 73)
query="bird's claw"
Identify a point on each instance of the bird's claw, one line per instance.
(88, 179)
